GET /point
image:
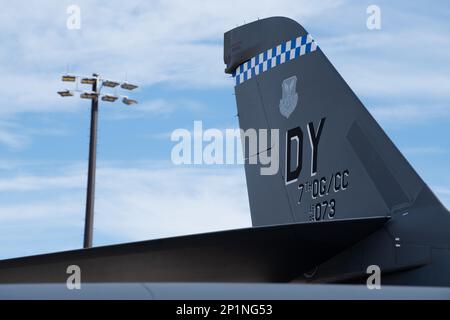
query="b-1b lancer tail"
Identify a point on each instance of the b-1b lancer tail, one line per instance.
(342, 197)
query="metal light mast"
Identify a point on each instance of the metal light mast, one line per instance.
(97, 84)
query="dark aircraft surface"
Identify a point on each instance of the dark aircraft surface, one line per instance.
(344, 199)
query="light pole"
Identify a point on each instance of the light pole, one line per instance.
(97, 84)
(90, 193)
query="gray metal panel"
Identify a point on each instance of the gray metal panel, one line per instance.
(256, 119)
(383, 179)
(269, 254)
(218, 291)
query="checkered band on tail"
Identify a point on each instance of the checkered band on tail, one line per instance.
(271, 58)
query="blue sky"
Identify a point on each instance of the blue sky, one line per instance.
(174, 51)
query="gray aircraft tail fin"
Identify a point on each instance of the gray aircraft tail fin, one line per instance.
(335, 162)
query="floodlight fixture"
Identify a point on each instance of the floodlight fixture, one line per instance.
(89, 95)
(110, 83)
(65, 93)
(88, 80)
(128, 86)
(128, 101)
(109, 98)
(69, 78)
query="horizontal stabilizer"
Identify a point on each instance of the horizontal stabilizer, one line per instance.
(275, 254)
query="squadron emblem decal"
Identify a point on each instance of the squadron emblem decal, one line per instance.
(289, 96)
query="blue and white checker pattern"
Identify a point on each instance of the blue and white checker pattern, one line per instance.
(273, 57)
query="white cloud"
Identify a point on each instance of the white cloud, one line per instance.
(11, 139)
(444, 195)
(16, 136)
(38, 183)
(140, 203)
(424, 151)
(40, 226)
(180, 44)
(157, 41)
(381, 79)
(392, 62)
(158, 107)
(387, 41)
(406, 114)
(443, 191)
(39, 214)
